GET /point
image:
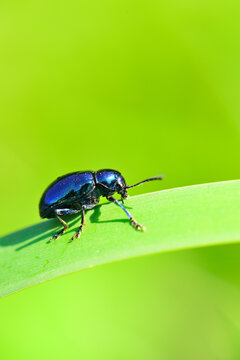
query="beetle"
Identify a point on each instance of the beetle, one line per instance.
(80, 191)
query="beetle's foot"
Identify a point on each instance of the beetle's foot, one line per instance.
(78, 233)
(57, 235)
(137, 226)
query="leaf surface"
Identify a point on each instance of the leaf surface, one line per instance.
(182, 218)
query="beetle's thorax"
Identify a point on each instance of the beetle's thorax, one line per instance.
(110, 181)
(94, 177)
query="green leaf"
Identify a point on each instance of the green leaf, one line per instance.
(181, 218)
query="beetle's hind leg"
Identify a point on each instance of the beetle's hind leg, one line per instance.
(78, 233)
(65, 225)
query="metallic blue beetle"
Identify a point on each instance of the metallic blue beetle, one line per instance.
(80, 191)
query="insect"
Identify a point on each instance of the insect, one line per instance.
(80, 191)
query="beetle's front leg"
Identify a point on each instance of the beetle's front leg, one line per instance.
(133, 222)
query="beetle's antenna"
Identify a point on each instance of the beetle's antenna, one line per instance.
(157, 177)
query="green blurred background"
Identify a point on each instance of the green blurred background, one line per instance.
(144, 87)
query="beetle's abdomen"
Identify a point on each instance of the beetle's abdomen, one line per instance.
(65, 191)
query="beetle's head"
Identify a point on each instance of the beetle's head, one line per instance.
(121, 187)
(111, 181)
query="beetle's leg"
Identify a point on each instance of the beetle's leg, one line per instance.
(65, 225)
(78, 233)
(133, 222)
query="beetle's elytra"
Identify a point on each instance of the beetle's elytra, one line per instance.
(79, 191)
